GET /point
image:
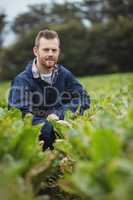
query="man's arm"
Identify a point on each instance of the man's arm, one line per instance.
(19, 97)
(79, 97)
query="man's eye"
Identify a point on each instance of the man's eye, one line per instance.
(46, 50)
(54, 50)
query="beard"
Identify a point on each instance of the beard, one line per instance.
(48, 62)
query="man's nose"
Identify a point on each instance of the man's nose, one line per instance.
(50, 52)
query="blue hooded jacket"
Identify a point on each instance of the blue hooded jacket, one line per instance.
(34, 95)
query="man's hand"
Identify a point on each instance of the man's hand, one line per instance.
(41, 143)
(52, 117)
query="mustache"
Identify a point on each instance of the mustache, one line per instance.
(50, 58)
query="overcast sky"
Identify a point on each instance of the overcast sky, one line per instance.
(14, 7)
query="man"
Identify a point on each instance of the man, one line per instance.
(46, 88)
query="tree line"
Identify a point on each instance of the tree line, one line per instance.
(96, 36)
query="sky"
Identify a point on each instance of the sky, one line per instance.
(14, 7)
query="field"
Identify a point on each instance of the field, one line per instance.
(92, 158)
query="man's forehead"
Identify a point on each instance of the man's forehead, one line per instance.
(49, 42)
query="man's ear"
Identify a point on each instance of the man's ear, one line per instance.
(60, 52)
(35, 51)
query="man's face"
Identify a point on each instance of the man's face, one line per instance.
(47, 52)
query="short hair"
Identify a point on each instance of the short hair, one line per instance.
(46, 33)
